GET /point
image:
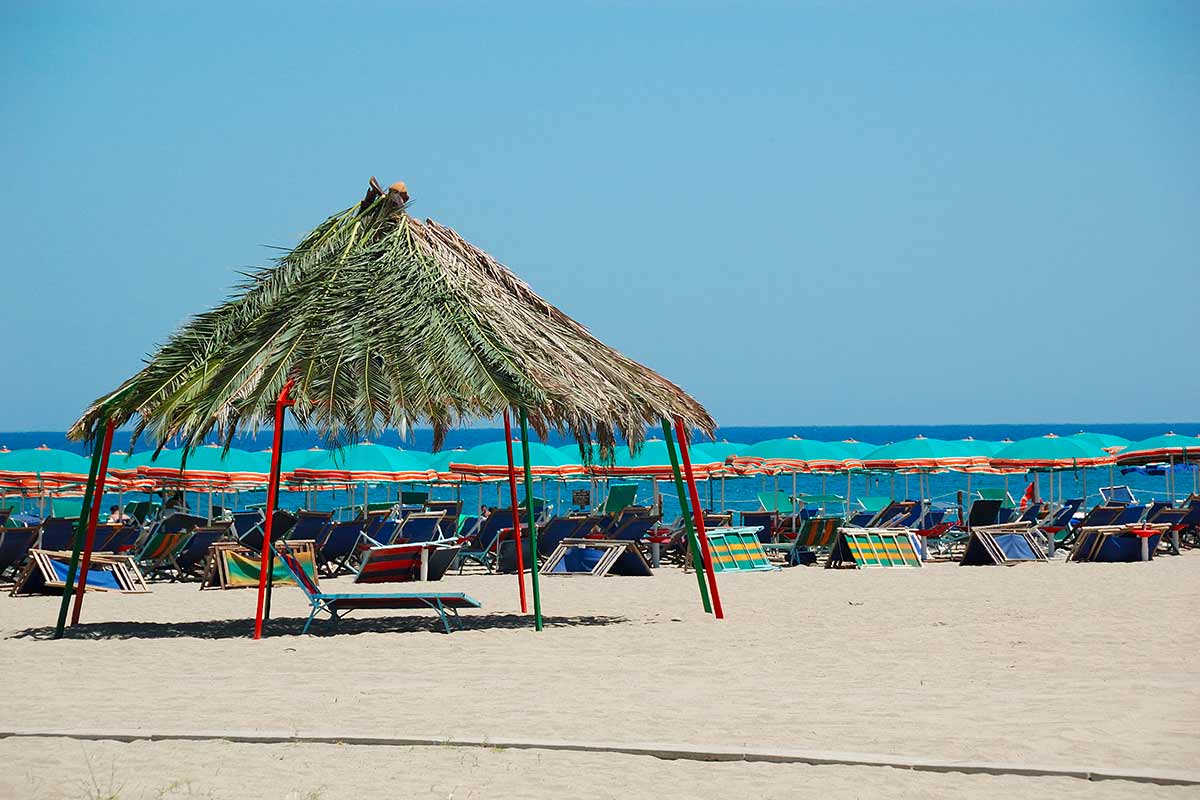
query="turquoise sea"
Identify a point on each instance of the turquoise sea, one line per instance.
(740, 493)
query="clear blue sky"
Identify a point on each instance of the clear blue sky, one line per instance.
(816, 213)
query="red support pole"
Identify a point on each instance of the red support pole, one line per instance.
(281, 403)
(682, 435)
(516, 513)
(93, 518)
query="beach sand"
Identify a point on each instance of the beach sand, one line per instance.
(1068, 665)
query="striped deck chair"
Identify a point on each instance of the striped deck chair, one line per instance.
(736, 550)
(337, 605)
(158, 553)
(864, 548)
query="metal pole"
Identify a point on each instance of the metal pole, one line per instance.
(516, 509)
(533, 553)
(80, 532)
(690, 532)
(267, 562)
(681, 433)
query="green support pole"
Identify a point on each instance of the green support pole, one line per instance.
(533, 544)
(81, 529)
(693, 542)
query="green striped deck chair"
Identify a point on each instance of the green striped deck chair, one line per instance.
(737, 550)
(866, 548)
(818, 533)
(159, 551)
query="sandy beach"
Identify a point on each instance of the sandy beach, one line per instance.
(1066, 665)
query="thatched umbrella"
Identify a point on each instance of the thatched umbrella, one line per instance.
(378, 320)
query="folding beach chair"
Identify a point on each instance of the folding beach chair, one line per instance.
(46, 573)
(1117, 495)
(777, 502)
(56, 533)
(427, 561)
(337, 543)
(421, 526)
(1003, 545)
(765, 521)
(337, 605)
(558, 528)
(634, 528)
(482, 550)
(596, 557)
(309, 525)
(248, 523)
(189, 559)
(983, 512)
(157, 555)
(15, 544)
(451, 509)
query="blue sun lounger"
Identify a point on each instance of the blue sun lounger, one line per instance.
(444, 603)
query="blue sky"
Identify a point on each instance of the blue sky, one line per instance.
(815, 213)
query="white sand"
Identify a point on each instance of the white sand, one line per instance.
(1076, 665)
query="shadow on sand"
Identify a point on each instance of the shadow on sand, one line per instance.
(292, 626)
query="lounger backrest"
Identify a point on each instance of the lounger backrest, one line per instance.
(387, 531)
(983, 512)
(15, 544)
(309, 525)
(341, 538)
(1168, 516)
(1130, 515)
(497, 520)
(423, 526)
(1117, 495)
(374, 521)
(58, 533)
(246, 521)
(557, 529)
(451, 510)
(634, 528)
(1030, 514)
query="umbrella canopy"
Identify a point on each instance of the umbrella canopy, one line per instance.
(206, 466)
(45, 465)
(922, 453)
(365, 461)
(856, 448)
(723, 450)
(1169, 446)
(794, 454)
(1050, 452)
(492, 459)
(1105, 441)
(654, 461)
(382, 321)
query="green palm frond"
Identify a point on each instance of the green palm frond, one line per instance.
(385, 321)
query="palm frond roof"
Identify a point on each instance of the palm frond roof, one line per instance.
(384, 321)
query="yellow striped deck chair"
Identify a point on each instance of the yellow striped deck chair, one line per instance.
(737, 550)
(865, 548)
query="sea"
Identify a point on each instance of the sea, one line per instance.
(733, 494)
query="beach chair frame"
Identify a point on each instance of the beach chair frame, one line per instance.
(123, 569)
(614, 550)
(870, 548)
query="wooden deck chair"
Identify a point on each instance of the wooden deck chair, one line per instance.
(597, 557)
(336, 605)
(232, 565)
(46, 573)
(1001, 545)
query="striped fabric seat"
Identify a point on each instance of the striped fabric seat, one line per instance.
(736, 549)
(865, 548)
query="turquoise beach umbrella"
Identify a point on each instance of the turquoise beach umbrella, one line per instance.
(796, 454)
(1050, 452)
(46, 464)
(1105, 441)
(925, 454)
(1167, 447)
(492, 459)
(365, 462)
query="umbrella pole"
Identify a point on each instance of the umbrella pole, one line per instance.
(90, 502)
(533, 554)
(724, 505)
(1171, 477)
(516, 509)
(267, 562)
(681, 433)
(693, 543)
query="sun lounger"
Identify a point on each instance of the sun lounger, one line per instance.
(425, 561)
(337, 605)
(451, 510)
(15, 544)
(482, 550)
(634, 528)
(309, 525)
(776, 502)
(1117, 544)
(246, 523)
(559, 528)
(157, 555)
(422, 526)
(620, 496)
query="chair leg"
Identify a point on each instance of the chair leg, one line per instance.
(442, 613)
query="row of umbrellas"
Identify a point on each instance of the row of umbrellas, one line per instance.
(212, 467)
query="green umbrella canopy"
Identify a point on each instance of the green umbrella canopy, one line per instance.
(47, 464)
(719, 451)
(653, 460)
(794, 453)
(383, 321)
(1105, 441)
(1050, 452)
(365, 461)
(440, 461)
(207, 463)
(855, 448)
(922, 453)
(1167, 447)
(492, 459)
